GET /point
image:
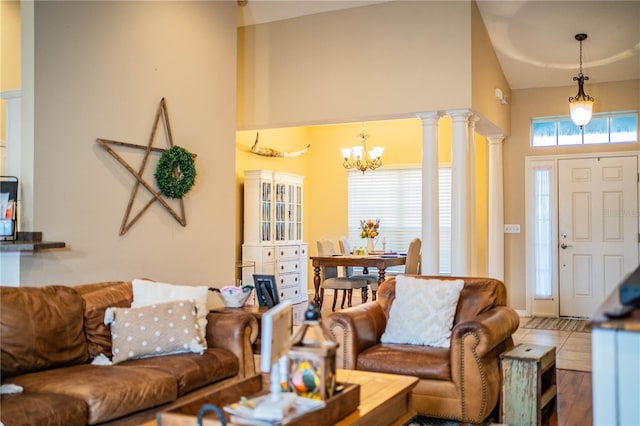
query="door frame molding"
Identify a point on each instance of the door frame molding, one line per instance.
(552, 305)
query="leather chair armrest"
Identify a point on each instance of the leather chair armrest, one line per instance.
(236, 332)
(475, 364)
(491, 328)
(355, 329)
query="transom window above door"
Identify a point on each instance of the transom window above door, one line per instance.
(604, 128)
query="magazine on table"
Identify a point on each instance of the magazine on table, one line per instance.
(242, 412)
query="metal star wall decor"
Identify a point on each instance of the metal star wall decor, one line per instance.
(126, 223)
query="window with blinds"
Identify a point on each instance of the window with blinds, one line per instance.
(395, 197)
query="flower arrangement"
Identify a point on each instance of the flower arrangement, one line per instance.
(369, 228)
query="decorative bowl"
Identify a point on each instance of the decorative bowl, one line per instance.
(235, 299)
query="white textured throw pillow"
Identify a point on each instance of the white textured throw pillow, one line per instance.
(157, 329)
(146, 292)
(422, 312)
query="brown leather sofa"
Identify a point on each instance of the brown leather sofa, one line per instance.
(460, 383)
(50, 335)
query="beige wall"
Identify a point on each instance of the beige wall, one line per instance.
(486, 76)
(101, 70)
(388, 60)
(618, 96)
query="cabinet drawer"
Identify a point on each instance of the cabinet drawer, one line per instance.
(289, 293)
(288, 280)
(268, 254)
(288, 267)
(288, 252)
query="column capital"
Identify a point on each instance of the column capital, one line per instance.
(459, 114)
(428, 116)
(473, 119)
(495, 139)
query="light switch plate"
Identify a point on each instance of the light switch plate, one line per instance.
(512, 228)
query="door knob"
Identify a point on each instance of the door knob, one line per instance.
(564, 246)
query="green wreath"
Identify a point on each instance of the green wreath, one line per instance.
(176, 172)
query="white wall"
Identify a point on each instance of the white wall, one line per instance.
(101, 69)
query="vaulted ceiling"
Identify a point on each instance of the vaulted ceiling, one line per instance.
(533, 39)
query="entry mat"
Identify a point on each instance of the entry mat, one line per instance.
(564, 324)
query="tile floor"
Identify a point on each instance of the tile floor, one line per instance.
(573, 349)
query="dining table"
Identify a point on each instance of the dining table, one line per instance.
(379, 261)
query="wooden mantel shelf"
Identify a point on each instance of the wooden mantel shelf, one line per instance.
(29, 242)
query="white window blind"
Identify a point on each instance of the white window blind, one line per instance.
(395, 197)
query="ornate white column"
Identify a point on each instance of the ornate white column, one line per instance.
(472, 214)
(430, 205)
(459, 192)
(495, 249)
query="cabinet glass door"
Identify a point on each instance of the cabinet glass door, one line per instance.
(294, 212)
(265, 216)
(280, 206)
(298, 215)
(291, 210)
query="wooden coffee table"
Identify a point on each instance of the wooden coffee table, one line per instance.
(384, 399)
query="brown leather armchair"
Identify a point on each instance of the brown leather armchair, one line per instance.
(459, 383)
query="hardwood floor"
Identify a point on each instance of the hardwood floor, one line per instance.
(574, 399)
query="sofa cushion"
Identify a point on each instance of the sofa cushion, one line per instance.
(424, 362)
(190, 370)
(109, 392)
(42, 409)
(118, 294)
(146, 292)
(40, 328)
(422, 312)
(157, 329)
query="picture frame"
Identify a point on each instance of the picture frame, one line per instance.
(266, 290)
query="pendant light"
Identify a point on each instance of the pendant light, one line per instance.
(581, 105)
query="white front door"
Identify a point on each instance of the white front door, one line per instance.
(597, 229)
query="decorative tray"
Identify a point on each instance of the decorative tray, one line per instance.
(337, 407)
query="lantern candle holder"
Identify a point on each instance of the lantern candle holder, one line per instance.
(312, 359)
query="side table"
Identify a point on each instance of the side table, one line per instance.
(528, 385)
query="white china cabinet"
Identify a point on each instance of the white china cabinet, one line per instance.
(273, 233)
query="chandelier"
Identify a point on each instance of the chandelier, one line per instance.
(581, 105)
(358, 157)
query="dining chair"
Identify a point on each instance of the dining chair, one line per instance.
(413, 264)
(331, 280)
